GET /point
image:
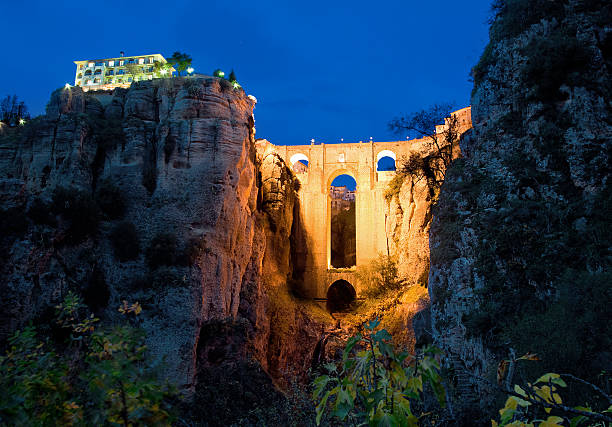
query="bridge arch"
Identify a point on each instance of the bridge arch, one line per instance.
(350, 171)
(386, 160)
(340, 296)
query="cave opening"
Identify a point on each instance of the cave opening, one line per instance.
(342, 194)
(340, 296)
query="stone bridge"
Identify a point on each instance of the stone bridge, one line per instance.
(325, 163)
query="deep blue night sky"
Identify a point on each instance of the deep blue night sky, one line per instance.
(319, 69)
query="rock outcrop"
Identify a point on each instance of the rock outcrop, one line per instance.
(518, 233)
(213, 223)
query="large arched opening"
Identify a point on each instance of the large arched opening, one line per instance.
(385, 161)
(343, 232)
(340, 296)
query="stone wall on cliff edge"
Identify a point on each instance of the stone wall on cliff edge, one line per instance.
(535, 164)
(181, 151)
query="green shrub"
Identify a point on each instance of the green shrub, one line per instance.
(162, 250)
(125, 240)
(105, 379)
(110, 199)
(80, 209)
(376, 385)
(577, 322)
(380, 276)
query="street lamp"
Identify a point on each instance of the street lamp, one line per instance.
(190, 70)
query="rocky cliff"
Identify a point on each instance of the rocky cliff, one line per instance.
(520, 246)
(154, 194)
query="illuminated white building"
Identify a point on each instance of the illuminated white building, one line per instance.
(109, 73)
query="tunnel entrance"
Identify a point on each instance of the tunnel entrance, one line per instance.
(340, 296)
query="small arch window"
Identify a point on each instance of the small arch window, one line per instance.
(299, 163)
(385, 161)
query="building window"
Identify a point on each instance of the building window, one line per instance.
(131, 61)
(120, 72)
(121, 62)
(119, 80)
(141, 60)
(91, 64)
(81, 67)
(111, 63)
(97, 72)
(96, 81)
(129, 79)
(150, 59)
(99, 64)
(80, 76)
(88, 73)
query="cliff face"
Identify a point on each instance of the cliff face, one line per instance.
(180, 153)
(518, 240)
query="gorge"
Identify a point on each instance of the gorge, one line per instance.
(161, 194)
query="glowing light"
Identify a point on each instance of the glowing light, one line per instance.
(236, 85)
(22, 122)
(67, 86)
(312, 141)
(190, 70)
(252, 98)
(163, 72)
(342, 139)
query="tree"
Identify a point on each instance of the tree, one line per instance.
(180, 61)
(12, 111)
(134, 70)
(232, 77)
(101, 377)
(443, 143)
(162, 69)
(376, 385)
